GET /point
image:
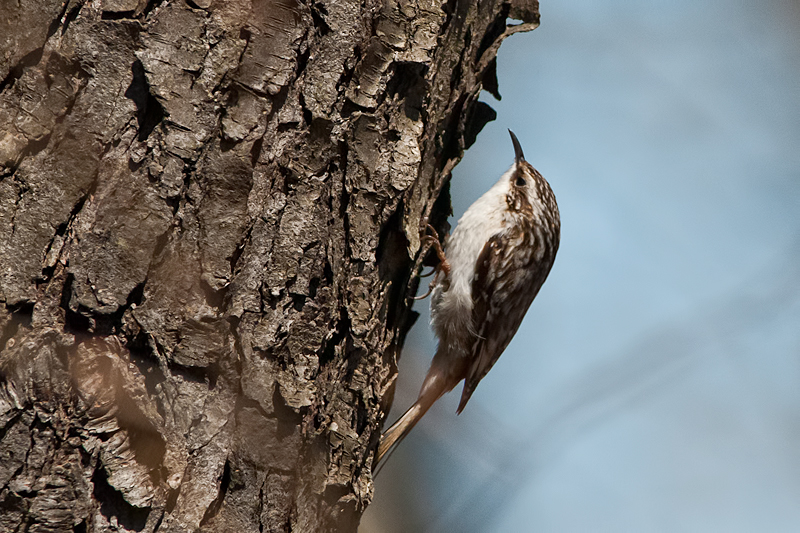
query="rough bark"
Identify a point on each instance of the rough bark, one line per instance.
(210, 213)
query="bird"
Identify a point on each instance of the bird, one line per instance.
(490, 269)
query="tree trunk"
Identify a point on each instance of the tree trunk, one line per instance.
(210, 214)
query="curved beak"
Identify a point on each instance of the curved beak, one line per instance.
(518, 155)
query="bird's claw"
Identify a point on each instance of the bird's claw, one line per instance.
(434, 241)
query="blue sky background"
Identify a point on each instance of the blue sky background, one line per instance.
(654, 385)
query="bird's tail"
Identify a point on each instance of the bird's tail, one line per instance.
(400, 429)
(434, 387)
(395, 434)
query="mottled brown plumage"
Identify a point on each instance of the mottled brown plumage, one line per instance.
(496, 261)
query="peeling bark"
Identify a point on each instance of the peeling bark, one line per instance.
(210, 217)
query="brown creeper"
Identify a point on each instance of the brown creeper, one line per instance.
(496, 261)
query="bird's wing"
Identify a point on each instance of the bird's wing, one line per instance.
(507, 278)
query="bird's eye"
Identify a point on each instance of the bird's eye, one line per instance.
(520, 181)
